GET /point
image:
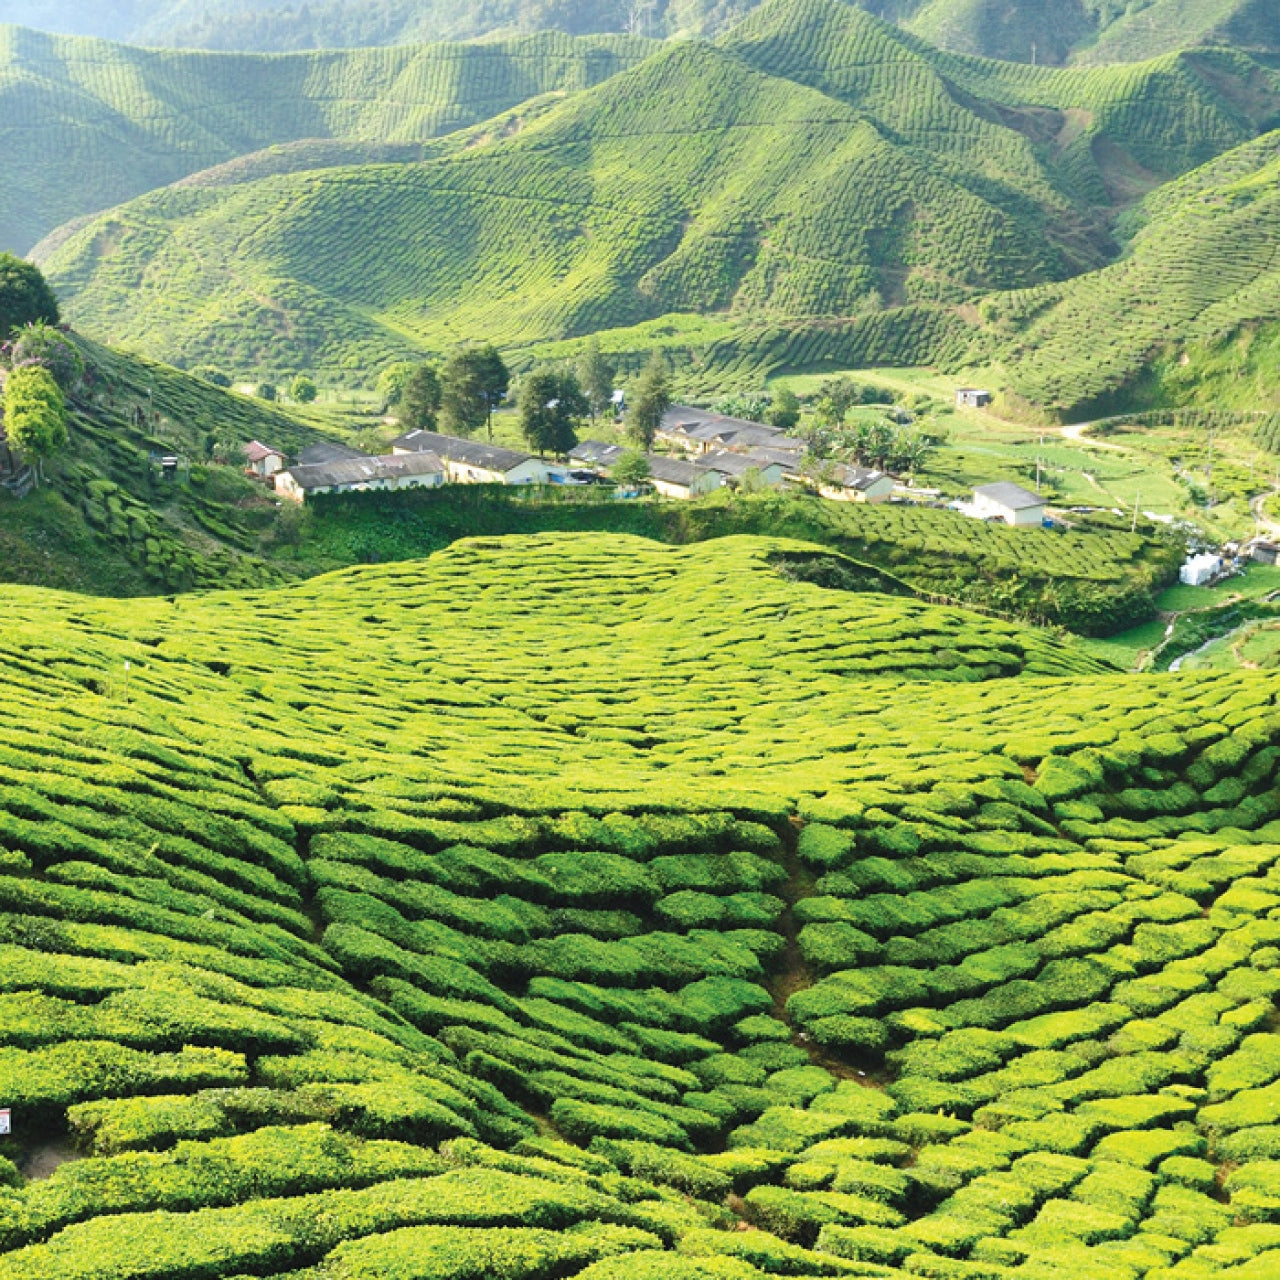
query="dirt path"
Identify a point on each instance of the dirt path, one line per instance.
(45, 1160)
(1078, 433)
(1267, 527)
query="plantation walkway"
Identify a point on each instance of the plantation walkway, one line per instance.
(1078, 433)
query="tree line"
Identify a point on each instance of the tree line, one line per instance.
(554, 401)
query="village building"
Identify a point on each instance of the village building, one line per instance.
(858, 484)
(596, 453)
(733, 466)
(972, 398)
(323, 451)
(699, 431)
(1008, 502)
(1201, 570)
(361, 475)
(675, 478)
(1265, 553)
(262, 460)
(473, 462)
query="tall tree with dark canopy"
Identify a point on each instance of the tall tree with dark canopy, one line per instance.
(596, 375)
(552, 405)
(420, 400)
(651, 399)
(25, 296)
(473, 382)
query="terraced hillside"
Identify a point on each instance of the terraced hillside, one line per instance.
(1202, 271)
(816, 177)
(1043, 31)
(85, 125)
(575, 906)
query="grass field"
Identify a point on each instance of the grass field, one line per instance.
(577, 906)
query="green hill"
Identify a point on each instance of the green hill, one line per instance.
(85, 125)
(816, 173)
(566, 906)
(1198, 282)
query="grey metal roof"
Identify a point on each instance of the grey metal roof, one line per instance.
(676, 471)
(860, 478)
(1011, 495)
(597, 451)
(488, 457)
(324, 451)
(733, 464)
(354, 471)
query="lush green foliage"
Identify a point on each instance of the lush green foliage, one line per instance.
(25, 297)
(304, 922)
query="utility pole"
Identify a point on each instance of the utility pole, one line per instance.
(1039, 464)
(1137, 497)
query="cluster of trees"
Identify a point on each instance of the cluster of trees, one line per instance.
(42, 364)
(781, 410)
(458, 397)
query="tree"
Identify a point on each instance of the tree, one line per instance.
(552, 404)
(420, 399)
(25, 296)
(303, 390)
(267, 391)
(495, 380)
(392, 382)
(784, 413)
(750, 408)
(631, 469)
(35, 414)
(41, 343)
(213, 376)
(473, 383)
(651, 400)
(596, 375)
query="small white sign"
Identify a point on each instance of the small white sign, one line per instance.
(5, 1124)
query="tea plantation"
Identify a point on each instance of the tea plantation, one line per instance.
(578, 906)
(835, 191)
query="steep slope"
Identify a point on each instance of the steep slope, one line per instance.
(1204, 264)
(566, 906)
(85, 125)
(1165, 25)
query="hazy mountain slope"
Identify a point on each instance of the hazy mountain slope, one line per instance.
(1204, 262)
(1045, 31)
(85, 125)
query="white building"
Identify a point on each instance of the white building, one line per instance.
(361, 475)
(473, 462)
(858, 484)
(262, 460)
(1008, 502)
(1200, 570)
(674, 478)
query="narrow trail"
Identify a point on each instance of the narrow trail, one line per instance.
(1078, 433)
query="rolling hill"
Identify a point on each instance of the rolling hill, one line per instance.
(581, 907)
(1043, 31)
(1202, 274)
(85, 125)
(817, 172)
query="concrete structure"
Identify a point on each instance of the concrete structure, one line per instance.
(1008, 502)
(473, 462)
(1200, 570)
(1265, 553)
(262, 460)
(361, 475)
(972, 398)
(858, 484)
(733, 466)
(674, 478)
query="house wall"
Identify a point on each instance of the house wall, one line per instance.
(986, 509)
(268, 467)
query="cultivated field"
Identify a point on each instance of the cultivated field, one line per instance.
(557, 906)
